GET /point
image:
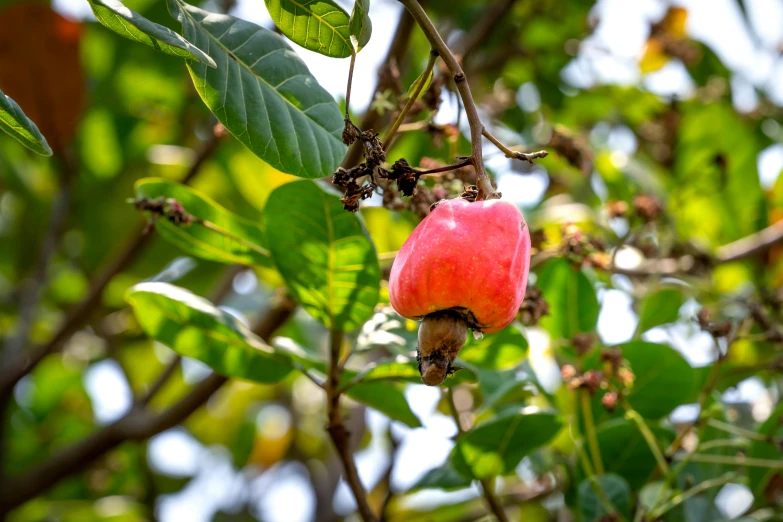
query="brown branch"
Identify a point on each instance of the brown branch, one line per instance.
(337, 430)
(476, 127)
(78, 315)
(751, 245)
(513, 154)
(138, 424)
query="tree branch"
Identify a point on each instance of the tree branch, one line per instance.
(476, 127)
(337, 430)
(78, 315)
(513, 154)
(138, 424)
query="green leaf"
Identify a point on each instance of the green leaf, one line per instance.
(616, 490)
(573, 304)
(387, 399)
(415, 84)
(323, 253)
(497, 446)
(318, 25)
(758, 477)
(386, 371)
(443, 477)
(14, 122)
(241, 243)
(360, 24)
(503, 350)
(264, 94)
(131, 25)
(625, 452)
(659, 308)
(193, 327)
(663, 379)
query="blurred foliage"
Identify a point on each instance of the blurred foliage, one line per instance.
(633, 178)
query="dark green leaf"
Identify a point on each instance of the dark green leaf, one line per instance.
(443, 477)
(387, 371)
(264, 94)
(318, 25)
(14, 122)
(663, 379)
(758, 477)
(323, 253)
(360, 24)
(242, 240)
(193, 327)
(386, 398)
(497, 446)
(133, 26)
(659, 308)
(503, 350)
(573, 305)
(616, 490)
(625, 452)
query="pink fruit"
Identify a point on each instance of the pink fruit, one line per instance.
(464, 266)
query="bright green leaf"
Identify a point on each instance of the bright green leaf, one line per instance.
(318, 25)
(415, 84)
(133, 26)
(360, 24)
(663, 379)
(193, 327)
(503, 350)
(625, 452)
(573, 305)
(14, 122)
(264, 94)
(242, 240)
(386, 398)
(616, 490)
(323, 253)
(660, 307)
(497, 446)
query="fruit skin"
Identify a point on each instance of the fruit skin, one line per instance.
(469, 257)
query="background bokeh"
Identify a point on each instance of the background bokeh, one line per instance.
(689, 111)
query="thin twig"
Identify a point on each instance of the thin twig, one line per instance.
(337, 430)
(590, 433)
(394, 56)
(493, 14)
(738, 460)
(712, 379)
(513, 154)
(350, 83)
(742, 432)
(695, 490)
(414, 96)
(476, 127)
(138, 424)
(652, 443)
